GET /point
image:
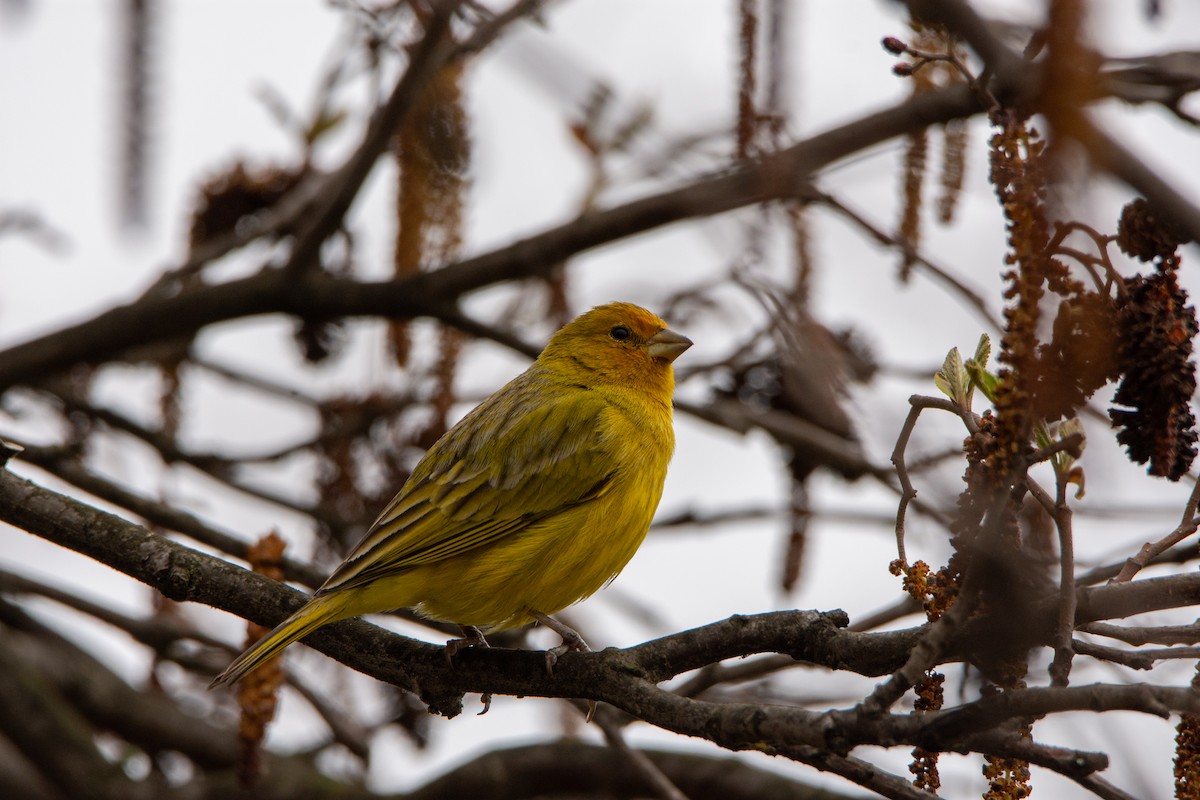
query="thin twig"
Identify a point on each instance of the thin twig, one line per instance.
(265, 385)
(1060, 512)
(924, 654)
(72, 471)
(917, 404)
(1139, 635)
(154, 632)
(748, 670)
(692, 518)
(1060, 667)
(1180, 554)
(638, 760)
(1150, 550)
(1068, 444)
(1137, 659)
(906, 605)
(858, 771)
(1104, 789)
(973, 299)
(907, 491)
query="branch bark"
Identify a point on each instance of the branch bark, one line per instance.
(629, 678)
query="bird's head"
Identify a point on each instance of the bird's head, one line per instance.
(617, 341)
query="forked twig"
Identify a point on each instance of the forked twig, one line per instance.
(1187, 526)
(917, 404)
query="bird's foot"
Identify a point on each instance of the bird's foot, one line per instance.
(571, 640)
(472, 637)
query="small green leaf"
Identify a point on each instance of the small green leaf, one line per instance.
(940, 382)
(976, 367)
(986, 381)
(983, 350)
(951, 379)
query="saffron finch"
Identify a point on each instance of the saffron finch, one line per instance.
(531, 503)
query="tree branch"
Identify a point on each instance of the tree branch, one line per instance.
(317, 295)
(625, 678)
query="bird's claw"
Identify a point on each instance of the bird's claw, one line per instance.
(571, 641)
(472, 637)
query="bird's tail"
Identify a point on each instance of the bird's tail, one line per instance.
(317, 612)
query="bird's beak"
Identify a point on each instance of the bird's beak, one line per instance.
(668, 345)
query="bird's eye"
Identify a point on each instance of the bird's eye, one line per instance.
(620, 333)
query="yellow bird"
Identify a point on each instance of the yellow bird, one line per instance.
(532, 502)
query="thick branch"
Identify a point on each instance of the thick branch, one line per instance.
(317, 295)
(60, 745)
(626, 679)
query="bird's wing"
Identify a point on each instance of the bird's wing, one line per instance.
(518, 458)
